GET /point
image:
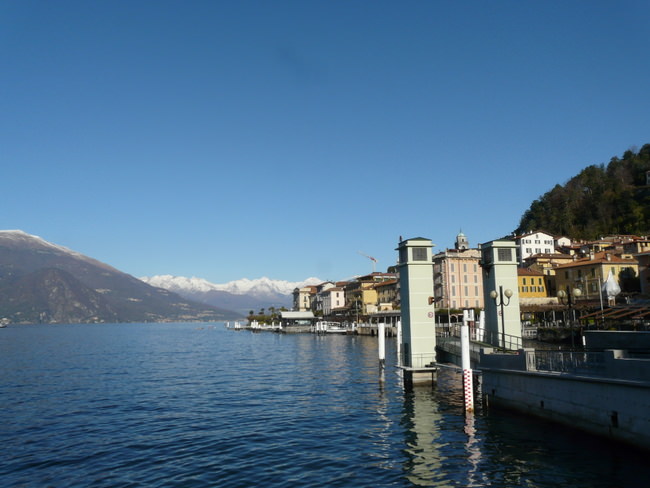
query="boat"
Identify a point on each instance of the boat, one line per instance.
(330, 328)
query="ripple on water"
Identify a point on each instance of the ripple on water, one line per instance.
(175, 405)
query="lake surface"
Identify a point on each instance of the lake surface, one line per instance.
(187, 405)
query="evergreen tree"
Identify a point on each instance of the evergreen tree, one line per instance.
(600, 200)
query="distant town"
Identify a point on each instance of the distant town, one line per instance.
(610, 271)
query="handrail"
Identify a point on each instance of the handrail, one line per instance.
(574, 362)
(507, 342)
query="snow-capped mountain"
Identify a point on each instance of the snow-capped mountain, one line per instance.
(261, 287)
(241, 295)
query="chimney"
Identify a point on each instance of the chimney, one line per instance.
(608, 256)
(591, 254)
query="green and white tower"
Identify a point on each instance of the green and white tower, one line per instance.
(418, 345)
(500, 286)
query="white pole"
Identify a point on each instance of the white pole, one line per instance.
(468, 386)
(382, 344)
(399, 342)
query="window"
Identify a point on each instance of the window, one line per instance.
(419, 254)
(524, 281)
(451, 267)
(504, 254)
(464, 267)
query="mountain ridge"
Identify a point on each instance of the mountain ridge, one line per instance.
(41, 282)
(240, 295)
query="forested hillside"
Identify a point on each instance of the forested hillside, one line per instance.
(600, 200)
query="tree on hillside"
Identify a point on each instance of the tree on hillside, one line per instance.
(600, 200)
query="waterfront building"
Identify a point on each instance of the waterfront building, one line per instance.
(387, 295)
(361, 294)
(317, 305)
(302, 298)
(534, 243)
(457, 277)
(589, 273)
(333, 300)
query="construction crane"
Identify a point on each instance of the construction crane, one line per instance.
(374, 261)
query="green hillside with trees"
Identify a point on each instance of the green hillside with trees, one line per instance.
(600, 200)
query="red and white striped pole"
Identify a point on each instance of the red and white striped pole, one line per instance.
(468, 384)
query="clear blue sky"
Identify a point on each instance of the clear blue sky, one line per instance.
(231, 139)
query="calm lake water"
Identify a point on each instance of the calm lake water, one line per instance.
(187, 405)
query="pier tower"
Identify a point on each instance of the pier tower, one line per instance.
(418, 345)
(500, 289)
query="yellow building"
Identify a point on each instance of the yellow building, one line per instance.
(361, 296)
(589, 273)
(532, 283)
(387, 295)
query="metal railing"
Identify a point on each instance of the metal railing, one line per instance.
(418, 361)
(574, 362)
(495, 339)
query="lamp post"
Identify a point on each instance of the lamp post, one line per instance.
(500, 302)
(570, 296)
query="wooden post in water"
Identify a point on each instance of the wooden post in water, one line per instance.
(381, 340)
(468, 384)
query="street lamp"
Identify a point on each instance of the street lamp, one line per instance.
(571, 296)
(499, 301)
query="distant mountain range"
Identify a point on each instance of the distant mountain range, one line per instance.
(241, 295)
(41, 282)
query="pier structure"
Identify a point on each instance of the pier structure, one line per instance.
(500, 287)
(418, 338)
(602, 391)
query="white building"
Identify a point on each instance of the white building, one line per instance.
(534, 243)
(333, 298)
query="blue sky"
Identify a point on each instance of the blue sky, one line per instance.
(232, 139)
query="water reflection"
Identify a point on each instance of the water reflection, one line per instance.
(443, 446)
(421, 421)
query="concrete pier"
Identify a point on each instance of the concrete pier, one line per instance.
(606, 393)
